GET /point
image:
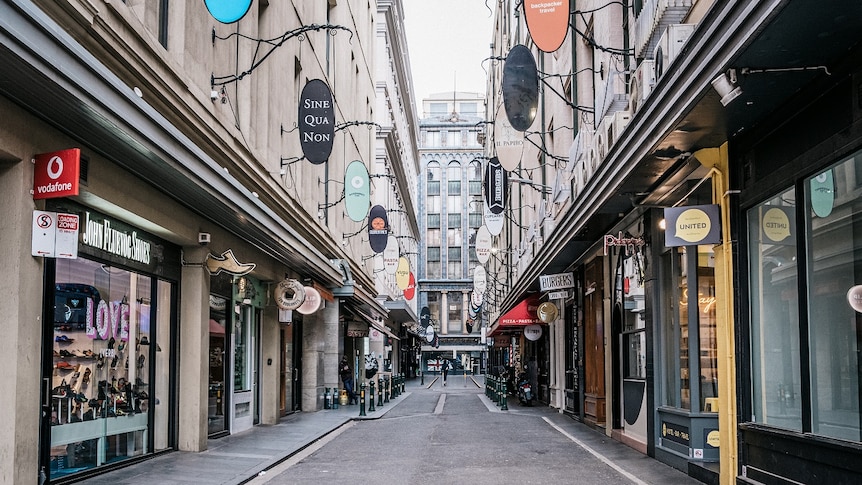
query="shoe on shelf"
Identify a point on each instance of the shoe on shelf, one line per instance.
(141, 361)
(64, 339)
(63, 365)
(86, 378)
(111, 343)
(145, 340)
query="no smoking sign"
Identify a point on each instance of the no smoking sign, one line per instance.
(55, 235)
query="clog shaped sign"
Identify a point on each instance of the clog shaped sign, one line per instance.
(548, 22)
(357, 191)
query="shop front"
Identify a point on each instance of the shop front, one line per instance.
(108, 343)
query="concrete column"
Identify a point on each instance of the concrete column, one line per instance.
(465, 305)
(314, 344)
(20, 347)
(444, 312)
(270, 348)
(195, 346)
(332, 337)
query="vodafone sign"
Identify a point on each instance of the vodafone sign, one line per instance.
(56, 174)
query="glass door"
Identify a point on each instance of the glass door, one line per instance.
(217, 417)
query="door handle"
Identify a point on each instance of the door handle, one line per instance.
(46, 392)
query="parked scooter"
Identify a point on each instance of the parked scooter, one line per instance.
(525, 390)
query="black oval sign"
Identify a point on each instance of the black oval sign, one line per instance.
(496, 186)
(316, 121)
(425, 317)
(520, 87)
(378, 228)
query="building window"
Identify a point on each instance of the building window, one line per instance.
(454, 236)
(469, 109)
(433, 269)
(433, 221)
(438, 109)
(433, 204)
(474, 219)
(433, 237)
(432, 138)
(434, 308)
(453, 266)
(453, 203)
(455, 302)
(453, 221)
(434, 171)
(810, 337)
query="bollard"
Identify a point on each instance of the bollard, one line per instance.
(421, 378)
(403, 383)
(504, 407)
(499, 394)
(362, 399)
(371, 407)
(380, 391)
(387, 380)
(395, 386)
(334, 398)
(327, 399)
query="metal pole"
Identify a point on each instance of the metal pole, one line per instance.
(362, 399)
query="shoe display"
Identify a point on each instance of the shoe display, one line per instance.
(63, 365)
(145, 340)
(86, 378)
(64, 339)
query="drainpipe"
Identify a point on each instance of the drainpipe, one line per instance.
(727, 421)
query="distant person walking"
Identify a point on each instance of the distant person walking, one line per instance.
(347, 378)
(446, 367)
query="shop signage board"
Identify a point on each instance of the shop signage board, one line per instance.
(410, 291)
(357, 191)
(558, 295)
(675, 432)
(823, 194)
(391, 255)
(228, 11)
(547, 312)
(55, 235)
(559, 281)
(425, 317)
(312, 301)
(483, 244)
(496, 186)
(480, 281)
(378, 228)
(357, 329)
(692, 225)
(548, 22)
(494, 222)
(629, 243)
(508, 141)
(520, 87)
(778, 225)
(56, 174)
(854, 298)
(289, 294)
(402, 273)
(228, 263)
(533, 332)
(316, 121)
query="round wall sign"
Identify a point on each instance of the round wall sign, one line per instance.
(316, 121)
(357, 192)
(520, 87)
(410, 291)
(390, 255)
(547, 312)
(494, 222)
(548, 23)
(823, 194)
(228, 11)
(533, 332)
(378, 229)
(402, 273)
(312, 301)
(289, 294)
(483, 244)
(429, 334)
(508, 141)
(854, 298)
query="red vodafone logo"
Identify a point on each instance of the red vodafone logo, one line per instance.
(56, 174)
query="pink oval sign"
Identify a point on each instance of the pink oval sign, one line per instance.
(548, 22)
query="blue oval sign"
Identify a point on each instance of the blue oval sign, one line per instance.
(357, 194)
(316, 121)
(378, 229)
(228, 11)
(520, 87)
(496, 186)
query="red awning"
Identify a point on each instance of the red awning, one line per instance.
(215, 328)
(521, 315)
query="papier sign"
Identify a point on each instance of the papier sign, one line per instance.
(55, 235)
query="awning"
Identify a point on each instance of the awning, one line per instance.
(521, 315)
(400, 311)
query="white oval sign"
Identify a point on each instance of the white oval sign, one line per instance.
(289, 294)
(311, 303)
(429, 334)
(480, 281)
(508, 141)
(390, 255)
(494, 222)
(483, 244)
(533, 332)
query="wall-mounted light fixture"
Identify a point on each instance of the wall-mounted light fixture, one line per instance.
(726, 86)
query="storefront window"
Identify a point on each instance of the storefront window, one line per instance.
(833, 234)
(775, 350)
(456, 306)
(101, 384)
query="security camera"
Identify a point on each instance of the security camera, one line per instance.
(213, 95)
(204, 238)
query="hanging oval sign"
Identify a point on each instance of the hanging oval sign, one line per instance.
(289, 294)
(429, 334)
(480, 281)
(390, 255)
(854, 298)
(548, 23)
(496, 186)
(483, 244)
(533, 332)
(311, 303)
(508, 141)
(425, 317)
(228, 11)
(316, 121)
(547, 312)
(357, 191)
(378, 228)
(494, 222)
(823, 194)
(410, 291)
(520, 87)
(476, 299)
(402, 273)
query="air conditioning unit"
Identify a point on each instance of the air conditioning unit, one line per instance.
(641, 84)
(599, 147)
(670, 44)
(617, 123)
